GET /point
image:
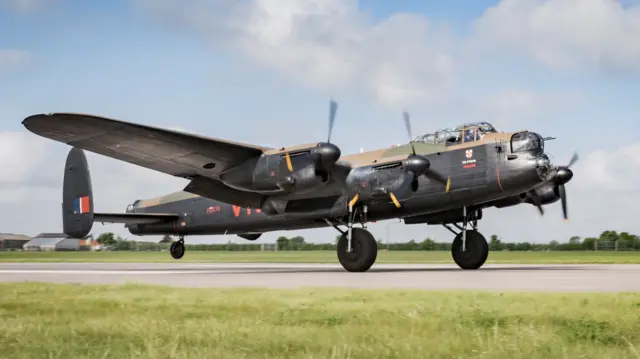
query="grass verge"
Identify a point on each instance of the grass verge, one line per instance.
(134, 321)
(321, 257)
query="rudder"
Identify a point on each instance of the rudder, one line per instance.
(77, 195)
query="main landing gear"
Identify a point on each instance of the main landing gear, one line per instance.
(469, 249)
(177, 248)
(357, 248)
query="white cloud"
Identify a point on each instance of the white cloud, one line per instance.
(566, 34)
(615, 172)
(11, 59)
(328, 44)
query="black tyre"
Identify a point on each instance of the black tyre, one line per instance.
(364, 251)
(477, 250)
(177, 250)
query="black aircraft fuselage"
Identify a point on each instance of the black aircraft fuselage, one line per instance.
(480, 176)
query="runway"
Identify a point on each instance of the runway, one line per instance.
(608, 278)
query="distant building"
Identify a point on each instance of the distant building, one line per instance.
(52, 242)
(10, 241)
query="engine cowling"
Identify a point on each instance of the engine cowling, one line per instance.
(303, 180)
(546, 194)
(378, 181)
(301, 170)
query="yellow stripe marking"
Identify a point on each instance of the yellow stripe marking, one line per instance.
(394, 199)
(448, 184)
(289, 165)
(354, 200)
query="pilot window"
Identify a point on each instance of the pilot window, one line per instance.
(526, 141)
(470, 135)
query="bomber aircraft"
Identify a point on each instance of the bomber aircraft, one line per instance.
(442, 178)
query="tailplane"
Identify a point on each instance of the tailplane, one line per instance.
(78, 215)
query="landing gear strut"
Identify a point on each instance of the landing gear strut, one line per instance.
(469, 249)
(357, 248)
(177, 248)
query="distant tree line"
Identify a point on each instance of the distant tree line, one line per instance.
(608, 240)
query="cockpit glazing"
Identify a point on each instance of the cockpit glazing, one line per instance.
(465, 133)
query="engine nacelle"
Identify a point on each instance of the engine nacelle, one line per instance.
(297, 171)
(547, 194)
(302, 180)
(378, 181)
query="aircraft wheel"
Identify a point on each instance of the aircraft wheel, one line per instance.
(364, 251)
(476, 253)
(177, 249)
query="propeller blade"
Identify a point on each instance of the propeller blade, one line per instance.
(407, 123)
(535, 199)
(333, 109)
(573, 159)
(563, 198)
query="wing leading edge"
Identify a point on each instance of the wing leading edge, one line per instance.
(175, 153)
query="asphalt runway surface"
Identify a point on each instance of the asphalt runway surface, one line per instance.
(608, 278)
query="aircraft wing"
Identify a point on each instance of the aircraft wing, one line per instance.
(172, 152)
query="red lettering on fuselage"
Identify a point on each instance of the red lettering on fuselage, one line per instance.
(213, 209)
(236, 210)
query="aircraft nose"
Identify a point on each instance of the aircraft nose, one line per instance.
(543, 161)
(329, 153)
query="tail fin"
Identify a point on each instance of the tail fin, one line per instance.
(77, 196)
(77, 201)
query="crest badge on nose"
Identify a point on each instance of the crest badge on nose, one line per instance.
(469, 162)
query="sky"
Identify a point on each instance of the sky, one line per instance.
(263, 72)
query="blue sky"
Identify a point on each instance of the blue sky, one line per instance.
(263, 71)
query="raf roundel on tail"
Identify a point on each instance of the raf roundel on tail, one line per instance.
(81, 205)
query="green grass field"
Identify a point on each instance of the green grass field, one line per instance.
(80, 321)
(320, 257)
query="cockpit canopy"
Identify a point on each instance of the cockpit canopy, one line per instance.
(527, 141)
(467, 132)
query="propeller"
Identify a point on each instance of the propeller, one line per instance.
(333, 108)
(327, 150)
(407, 123)
(560, 176)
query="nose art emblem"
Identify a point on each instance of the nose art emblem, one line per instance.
(469, 153)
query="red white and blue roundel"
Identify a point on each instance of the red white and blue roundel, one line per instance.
(81, 205)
